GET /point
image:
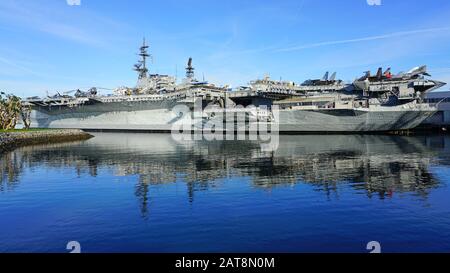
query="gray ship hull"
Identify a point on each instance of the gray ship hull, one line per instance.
(153, 116)
(351, 120)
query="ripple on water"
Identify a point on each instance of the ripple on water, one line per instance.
(141, 192)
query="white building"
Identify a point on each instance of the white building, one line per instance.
(441, 118)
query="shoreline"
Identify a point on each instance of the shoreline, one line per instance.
(15, 139)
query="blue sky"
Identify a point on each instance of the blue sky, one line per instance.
(48, 45)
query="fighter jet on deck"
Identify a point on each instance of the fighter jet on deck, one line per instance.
(326, 80)
(414, 73)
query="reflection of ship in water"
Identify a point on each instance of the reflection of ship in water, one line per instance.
(374, 164)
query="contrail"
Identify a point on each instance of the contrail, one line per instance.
(364, 39)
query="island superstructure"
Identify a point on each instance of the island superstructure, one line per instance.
(372, 103)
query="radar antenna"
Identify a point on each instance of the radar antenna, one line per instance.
(190, 69)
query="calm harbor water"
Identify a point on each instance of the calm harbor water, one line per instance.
(122, 192)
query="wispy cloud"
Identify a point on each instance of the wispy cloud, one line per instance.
(82, 26)
(274, 48)
(22, 70)
(363, 39)
(71, 33)
(15, 65)
(19, 69)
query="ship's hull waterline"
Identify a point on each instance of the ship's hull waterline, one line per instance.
(162, 119)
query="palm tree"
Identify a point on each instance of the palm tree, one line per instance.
(11, 110)
(3, 110)
(14, 108)
(26, 116)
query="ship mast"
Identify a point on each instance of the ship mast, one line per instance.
(190, 70)
(141, 66)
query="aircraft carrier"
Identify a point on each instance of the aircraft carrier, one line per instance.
(372, 103)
